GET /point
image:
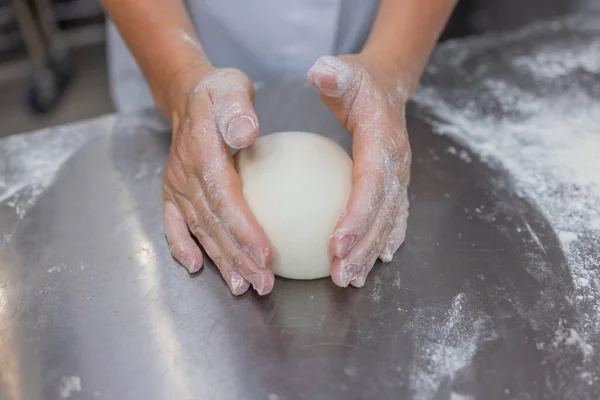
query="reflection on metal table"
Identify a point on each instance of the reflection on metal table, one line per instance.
(480, 302)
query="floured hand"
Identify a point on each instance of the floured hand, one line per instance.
(370, 103)
(212, 109)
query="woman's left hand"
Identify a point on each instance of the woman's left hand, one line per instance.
(369, 100)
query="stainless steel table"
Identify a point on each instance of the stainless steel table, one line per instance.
(92, 305)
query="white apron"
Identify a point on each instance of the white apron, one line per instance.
(269, 40)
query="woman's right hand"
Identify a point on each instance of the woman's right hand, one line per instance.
(212, 109)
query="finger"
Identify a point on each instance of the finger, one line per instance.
(371, 129)
(239, 260)
(359, 261)
(229, 223)
(237, 284)
(365, 199)
(360, 277)
(181, 244)
(399, 232)
(222, 191)
(381, 154)
(386, 240)
(262, 279)
(208, 229)
(232, 95)
(339, 83)
(343, 276)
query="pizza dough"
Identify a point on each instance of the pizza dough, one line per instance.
(297, 185)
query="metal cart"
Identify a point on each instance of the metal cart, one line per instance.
(43, 31)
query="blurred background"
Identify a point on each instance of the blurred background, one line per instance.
(53, 58)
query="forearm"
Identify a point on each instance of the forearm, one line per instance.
(162, 39)
(403, 36)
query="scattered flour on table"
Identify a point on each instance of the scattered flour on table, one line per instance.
(456, 396)
(57, 268)
(445, 347)
(69, 384)
(547, 136)
(29, 162)
(551, 65)
(570, 337)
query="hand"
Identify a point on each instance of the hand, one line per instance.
(211, 109)
(367, 100)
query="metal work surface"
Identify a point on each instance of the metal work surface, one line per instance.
(92, 305)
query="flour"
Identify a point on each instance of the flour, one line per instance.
(57, 268)
(572, 338)
(546, 134)
(550, 65)
(29, 164)
(462, 154)
(444, 348)
(69, 384)
(142, 171)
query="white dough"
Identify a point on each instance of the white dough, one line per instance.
(297, 185)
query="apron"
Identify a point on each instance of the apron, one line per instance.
(269, 40)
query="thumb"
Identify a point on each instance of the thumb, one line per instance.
(337, 83)
(334, 78)
(232, 95)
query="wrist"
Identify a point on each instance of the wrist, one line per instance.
(174, 94)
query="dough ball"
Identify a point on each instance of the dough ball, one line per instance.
(297, 184)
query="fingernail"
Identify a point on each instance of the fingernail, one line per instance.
(190, 265)
(345, 244)
(347, 272)
(258, 283)
(236, 283)
(360, 279)
(195, 267)
(392, 247)
(239, 130)
(344, 280)
(386, 255)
